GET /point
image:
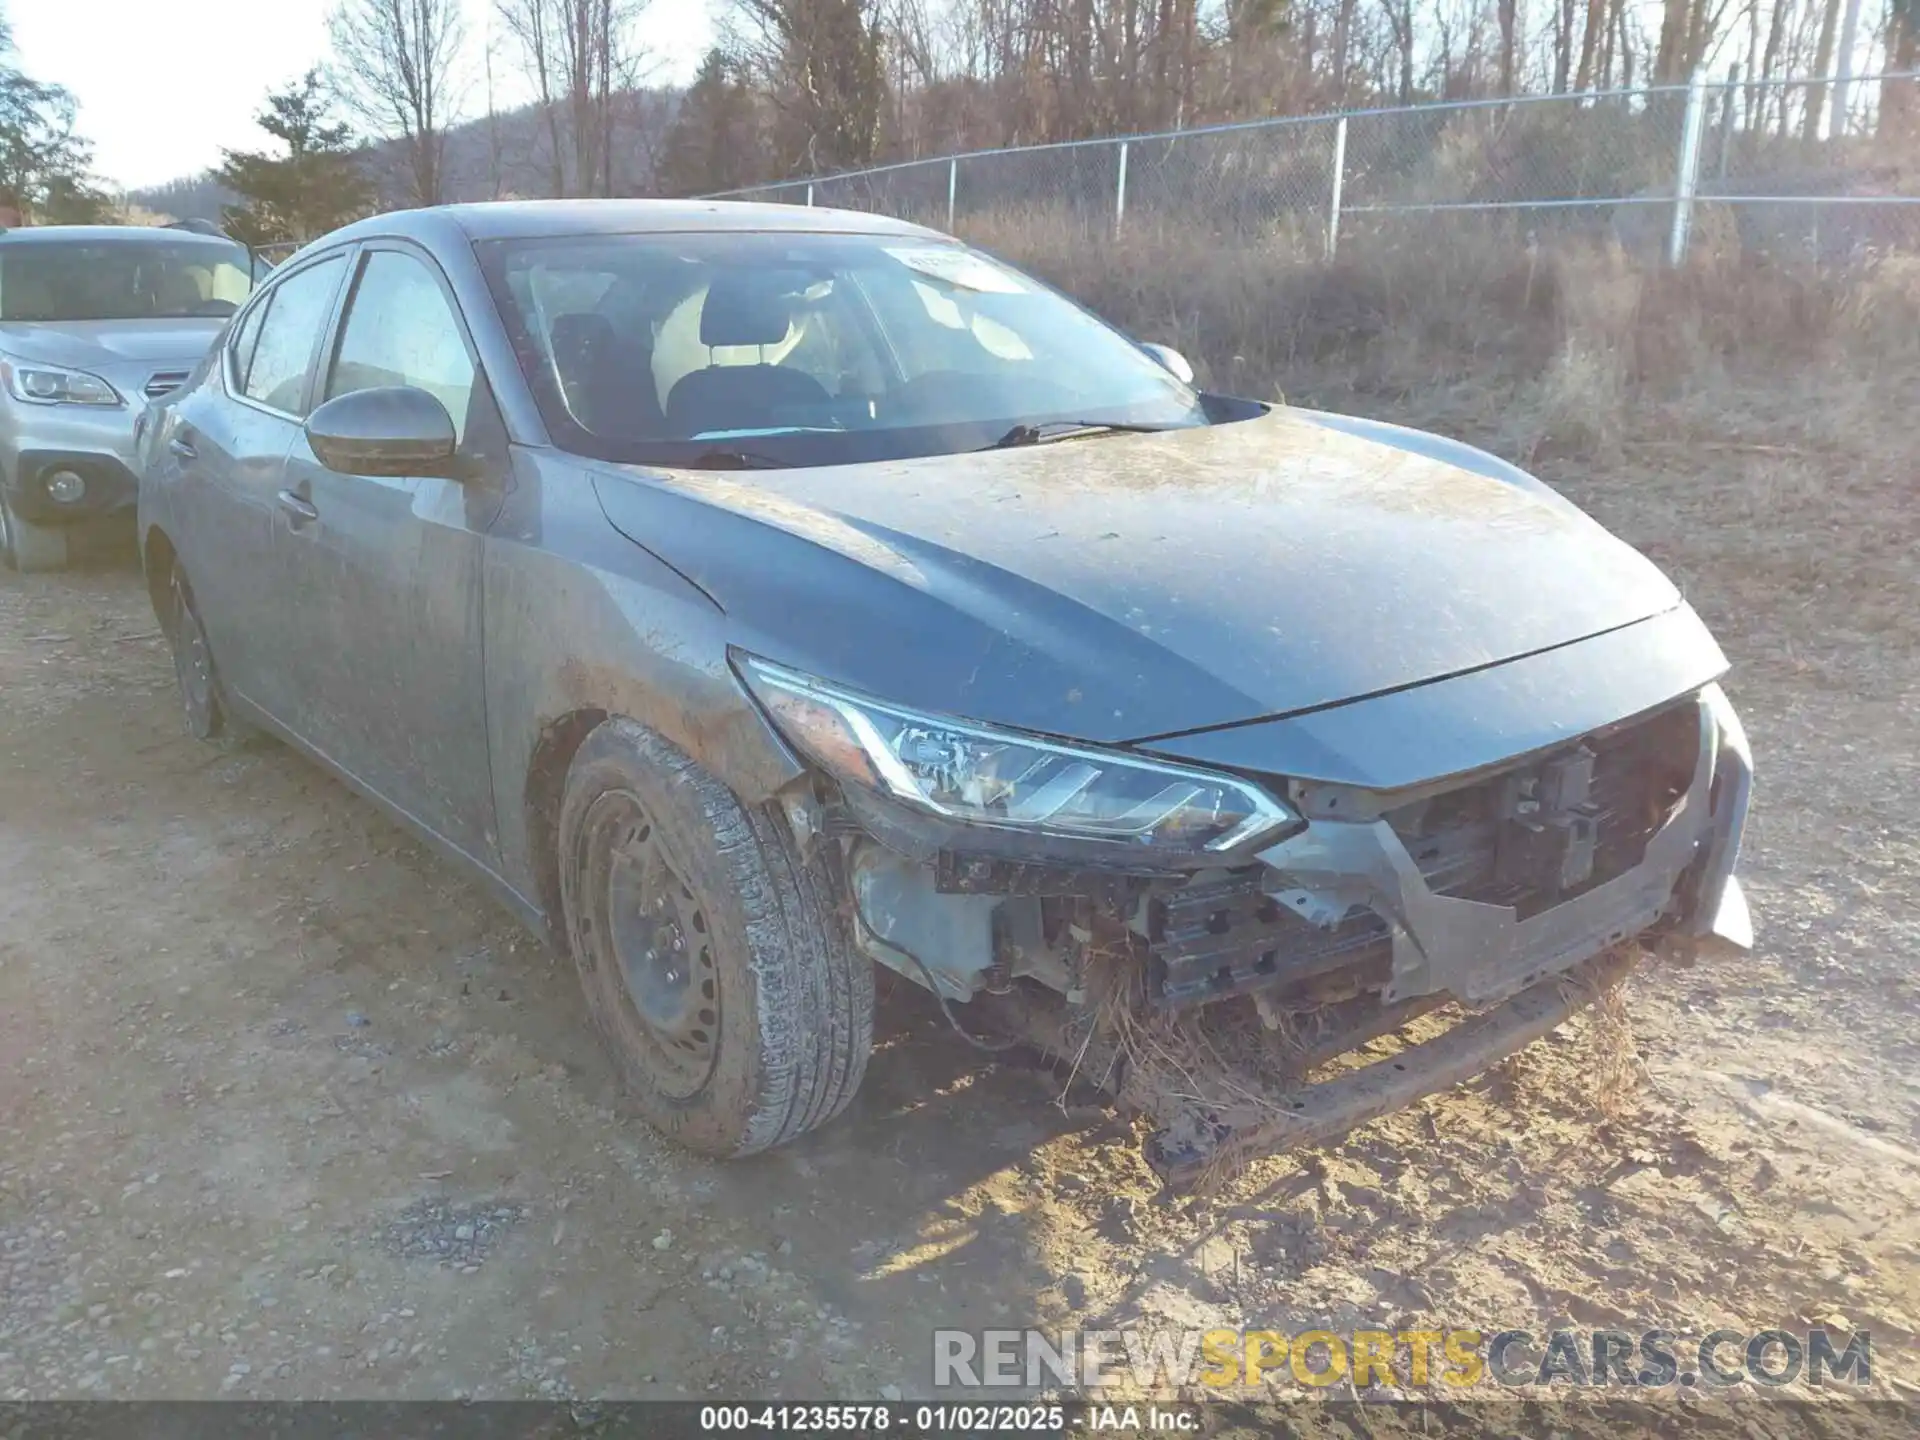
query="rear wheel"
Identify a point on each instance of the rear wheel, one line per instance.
(203, 705)
(25, 546)
(717, 969)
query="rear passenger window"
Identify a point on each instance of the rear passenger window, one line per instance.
(240, 348)
(282, 358)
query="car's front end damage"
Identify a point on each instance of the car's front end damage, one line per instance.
(1209, 965)
(1200, 759)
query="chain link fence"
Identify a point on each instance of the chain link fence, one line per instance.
(1655, 168)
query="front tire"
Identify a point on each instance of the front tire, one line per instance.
(25, 546)
(717, 969)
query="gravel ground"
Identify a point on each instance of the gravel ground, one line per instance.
(287, 1109)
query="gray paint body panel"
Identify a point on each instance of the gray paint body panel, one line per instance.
(1473, 721)
(1122, 586)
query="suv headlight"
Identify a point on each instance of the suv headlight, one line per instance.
(55, 385)
(980, 775)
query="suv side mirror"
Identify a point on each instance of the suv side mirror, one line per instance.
(388, 430)
(1171, 360)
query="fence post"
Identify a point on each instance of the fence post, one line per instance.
(1339, 184)
(1120, 193)
(809, 194)
(953, 184)
(1688, 179)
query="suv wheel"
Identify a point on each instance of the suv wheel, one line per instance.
(26, 546)
(717, 969)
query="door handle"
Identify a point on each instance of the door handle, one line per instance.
(182, 448)
(299, 508)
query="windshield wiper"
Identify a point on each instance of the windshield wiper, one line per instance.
(1045, 431)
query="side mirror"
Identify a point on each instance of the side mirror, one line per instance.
(388, 430)
(1171, 360)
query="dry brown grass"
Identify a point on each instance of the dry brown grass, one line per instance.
(1749, 424)
(1572, 346)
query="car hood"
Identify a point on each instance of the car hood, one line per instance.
(1125, 586)
(109, 344)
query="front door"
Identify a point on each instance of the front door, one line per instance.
(228, 443)
(388, 637)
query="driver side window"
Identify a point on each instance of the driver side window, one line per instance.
(400, 330)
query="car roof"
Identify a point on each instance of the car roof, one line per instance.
(550, 219)
(108, 235)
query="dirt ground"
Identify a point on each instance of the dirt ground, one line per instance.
(288, 1109)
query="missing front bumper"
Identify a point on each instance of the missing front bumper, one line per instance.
(1479, 952)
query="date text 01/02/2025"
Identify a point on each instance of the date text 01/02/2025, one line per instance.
(947, 1419)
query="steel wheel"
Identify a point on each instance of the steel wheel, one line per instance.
(649, 937)
(193, 666)
(203, 703)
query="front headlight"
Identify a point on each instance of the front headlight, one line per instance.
(976, 775)
(55, 385)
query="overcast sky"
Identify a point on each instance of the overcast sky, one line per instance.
(164, 85)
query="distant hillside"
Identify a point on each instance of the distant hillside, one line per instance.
(509, 155)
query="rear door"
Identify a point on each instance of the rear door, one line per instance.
(228, 442)
(388, 649)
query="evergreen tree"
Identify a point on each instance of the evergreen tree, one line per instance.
(842, 82)
(313, 188)
(825, 76)
(711, 145)
(43, 164)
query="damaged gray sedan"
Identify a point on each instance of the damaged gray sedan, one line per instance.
(752, 596)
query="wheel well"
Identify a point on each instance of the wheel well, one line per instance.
(157, 562)
(546, 785)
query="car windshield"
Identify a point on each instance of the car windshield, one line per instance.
(121, 280)
(712, 349)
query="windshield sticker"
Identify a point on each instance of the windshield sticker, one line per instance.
(958, 267)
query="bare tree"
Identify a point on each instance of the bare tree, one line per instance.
(534, 25)
(1399, 17)
(1509, 17)
(1590, 37)
(1822, 63)
(396, 66)
(580, 55)
(1565, 12)
(493, 128)
(1900, 99)
(1343, 16)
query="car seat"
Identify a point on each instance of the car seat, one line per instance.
(609, 391)
(743, 308)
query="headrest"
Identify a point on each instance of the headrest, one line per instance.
(746, 307)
